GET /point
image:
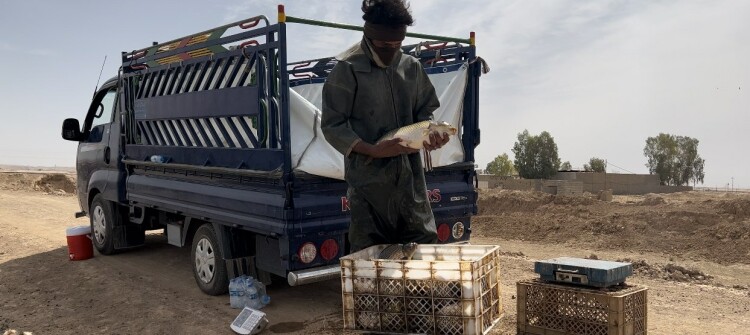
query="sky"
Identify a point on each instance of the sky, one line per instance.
(599, 76)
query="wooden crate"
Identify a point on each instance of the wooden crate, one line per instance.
(559, 309)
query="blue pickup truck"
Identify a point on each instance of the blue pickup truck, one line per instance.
(214, 138)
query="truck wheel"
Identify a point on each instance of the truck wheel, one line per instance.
(102, 220)
(209, 268)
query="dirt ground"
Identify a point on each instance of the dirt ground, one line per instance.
(692, 250)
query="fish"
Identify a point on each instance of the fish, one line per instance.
(401, 252)
(414, 135)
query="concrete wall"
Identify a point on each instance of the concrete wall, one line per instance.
(509, 183)
(620, 183)
(575, 183)
(562, 187)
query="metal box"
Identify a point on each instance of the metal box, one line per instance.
(444, 289)
(559, 309)
(587, 272)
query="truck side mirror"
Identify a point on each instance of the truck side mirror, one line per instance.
(71, 130)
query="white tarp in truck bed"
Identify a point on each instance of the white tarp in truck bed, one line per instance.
(311, 152)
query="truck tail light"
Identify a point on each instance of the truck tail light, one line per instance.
(329, 249)
(444, 232)
(307, 252)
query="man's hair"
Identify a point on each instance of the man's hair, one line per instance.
(387, 12)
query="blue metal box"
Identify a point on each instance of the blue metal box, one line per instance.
(587, 272)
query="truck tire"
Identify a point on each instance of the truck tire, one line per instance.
(209, 268)
(102, 220)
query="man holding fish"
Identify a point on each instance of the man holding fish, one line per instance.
(374, 101)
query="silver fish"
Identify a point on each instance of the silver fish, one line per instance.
(414, 135)
(399, 251)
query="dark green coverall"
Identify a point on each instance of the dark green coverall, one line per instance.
(361, 102)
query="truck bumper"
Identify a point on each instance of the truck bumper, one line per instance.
(307, 276)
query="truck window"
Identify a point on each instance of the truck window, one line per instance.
(108, 101)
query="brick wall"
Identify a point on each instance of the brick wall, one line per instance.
(575, 183)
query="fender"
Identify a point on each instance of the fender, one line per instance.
(190, 226)
(106, 182)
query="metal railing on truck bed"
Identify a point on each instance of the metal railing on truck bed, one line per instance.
(207, 101)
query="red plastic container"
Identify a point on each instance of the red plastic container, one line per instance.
(79, 243)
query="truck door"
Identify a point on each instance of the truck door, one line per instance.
(96, 159)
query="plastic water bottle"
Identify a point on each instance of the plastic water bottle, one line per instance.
(252, 298)
(237, 292)
(159, 159)
(264, 298)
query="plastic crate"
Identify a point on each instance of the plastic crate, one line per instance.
(560, 309)
(444, 289)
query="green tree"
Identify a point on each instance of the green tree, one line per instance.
(674, 158)
(566, 166)
(501, 166)
(595, 165)
(536, 155)
(698, 170)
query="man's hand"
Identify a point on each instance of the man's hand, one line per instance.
(389, 148)
(436, 141)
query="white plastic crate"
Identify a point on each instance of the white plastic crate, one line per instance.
(444, 289)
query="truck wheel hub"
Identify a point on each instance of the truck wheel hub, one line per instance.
(205, 260)
(99, 225)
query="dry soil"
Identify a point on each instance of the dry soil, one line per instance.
(690, 249)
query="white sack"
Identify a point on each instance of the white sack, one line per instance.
(311, 153)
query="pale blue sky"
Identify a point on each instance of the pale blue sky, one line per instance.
(600, 76)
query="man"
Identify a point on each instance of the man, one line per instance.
(375, 88)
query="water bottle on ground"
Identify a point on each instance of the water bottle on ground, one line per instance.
(264, 298)
(237, 292)
(252, 298)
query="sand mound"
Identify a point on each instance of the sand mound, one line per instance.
(732, 231)
(572, 200)
(503, 201)
(672, 272)
(495, 202)
(652, 200)
(55, 183)
(18, 181)
(685, 225)
(51, 183)
(738, 207)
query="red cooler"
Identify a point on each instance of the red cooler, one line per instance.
(79, 243)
